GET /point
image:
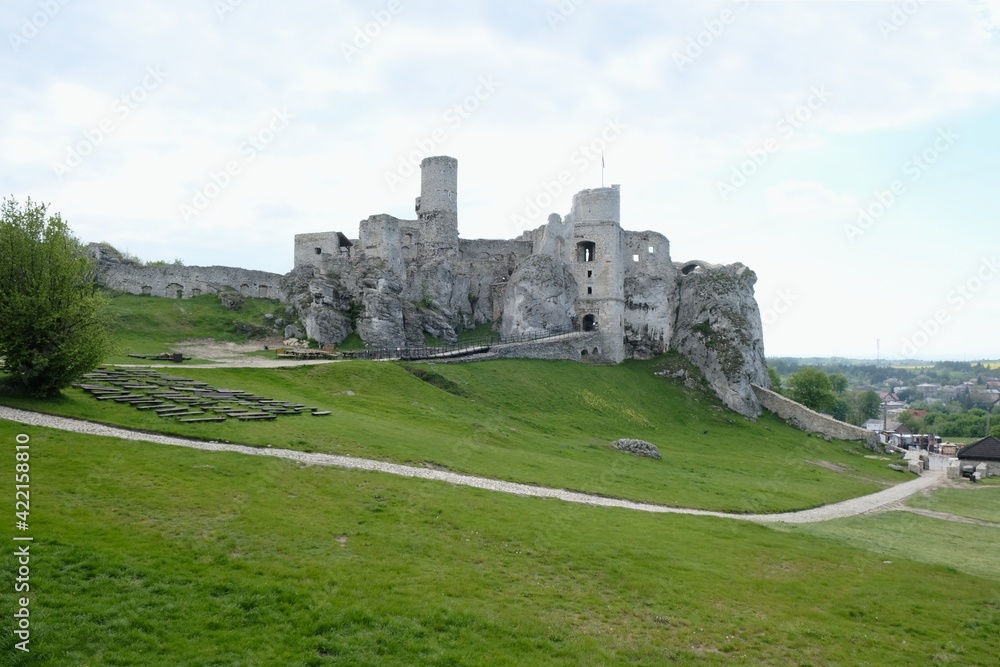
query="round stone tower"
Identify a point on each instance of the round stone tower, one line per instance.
(437, 207)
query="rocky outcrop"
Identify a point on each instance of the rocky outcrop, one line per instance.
(539, 297)
(380, 323)
(718, 328)
(322, 303)
(637, 447)
(650, 308)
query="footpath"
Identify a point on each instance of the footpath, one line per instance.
(863, 505)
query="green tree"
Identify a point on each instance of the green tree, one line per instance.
(838, 383)
(811, 387)
(54, 325)
(866, 405)
(775, 378)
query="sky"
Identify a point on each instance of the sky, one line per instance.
(847, 152)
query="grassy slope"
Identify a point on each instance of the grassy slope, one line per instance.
(149, 325)
(981, 501)
(538, 422)
(151, 555)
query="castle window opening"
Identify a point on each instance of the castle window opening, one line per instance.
(583, 353)
(590, 274)
(596, 351)
(319, 251)
(590, 290)
(585, 251)
(147, 290)
(590, 323)
(651, 250)
(635, 258)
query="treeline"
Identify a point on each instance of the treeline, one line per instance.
(827, 393)
(860, 373)
(951, 423)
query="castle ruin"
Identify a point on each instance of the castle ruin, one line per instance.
(398, 281)
(583, 272)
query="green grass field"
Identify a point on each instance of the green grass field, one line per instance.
(539, 422)
(152, 555)
(150, 325)
(981, 501)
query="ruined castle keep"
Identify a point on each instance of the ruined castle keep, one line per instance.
(617, 291)
(402, 279)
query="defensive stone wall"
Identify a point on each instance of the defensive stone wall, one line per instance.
(188, 281)
(802, 417)
(381, 238)
(651, 294)
(316, 249)
(574, 347)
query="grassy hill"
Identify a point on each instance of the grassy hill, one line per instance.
(156, 555)
(150, 555)
(539, 422)
(149, 325)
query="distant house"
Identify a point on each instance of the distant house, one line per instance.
(873, 425)
(985, 451)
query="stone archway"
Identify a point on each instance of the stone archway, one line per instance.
(590, 322)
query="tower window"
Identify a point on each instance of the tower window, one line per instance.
(590, 290)
(651, 250)
(585, 251)
(590, 274)
(319, 251)
(635, 258)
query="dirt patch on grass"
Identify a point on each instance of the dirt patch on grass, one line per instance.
(829, 465)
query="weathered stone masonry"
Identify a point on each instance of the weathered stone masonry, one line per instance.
(400, 280)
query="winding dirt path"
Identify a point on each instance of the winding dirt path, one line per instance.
(875, 502)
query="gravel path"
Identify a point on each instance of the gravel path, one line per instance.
(863, 505)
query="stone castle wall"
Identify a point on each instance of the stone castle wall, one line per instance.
(188, 281)
(802, 417)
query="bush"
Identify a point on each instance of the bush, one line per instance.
(54, 323)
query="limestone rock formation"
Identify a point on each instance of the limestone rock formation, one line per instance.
(380, 323)
(637, 447)
(539, 297)
(718, 329)
(401, 280)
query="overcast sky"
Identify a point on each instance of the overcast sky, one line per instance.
(847, 152)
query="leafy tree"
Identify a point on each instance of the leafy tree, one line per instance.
(54, 325)
(811, 387)
(865, 405)
(775, 378)
(838, 383)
